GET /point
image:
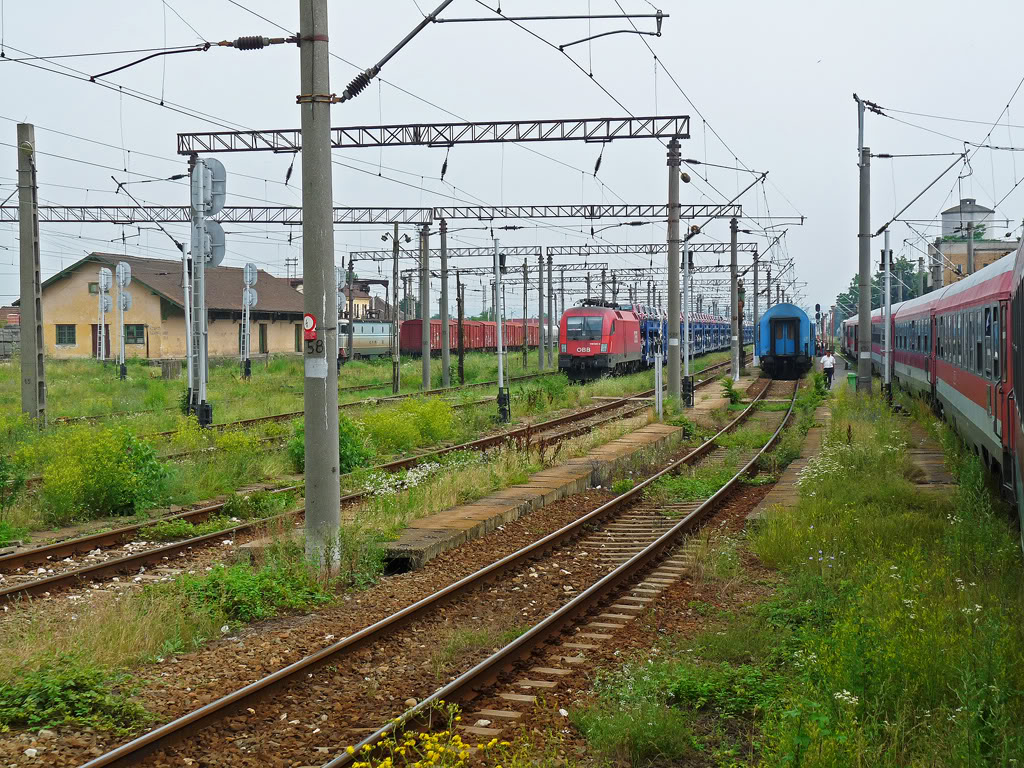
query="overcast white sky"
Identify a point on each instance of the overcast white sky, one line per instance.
(773, 80)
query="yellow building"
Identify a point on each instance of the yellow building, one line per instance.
(155, 324)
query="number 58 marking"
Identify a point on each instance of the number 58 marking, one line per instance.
(315, 347)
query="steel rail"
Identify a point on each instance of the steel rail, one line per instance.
(520, 649)
(166, 735)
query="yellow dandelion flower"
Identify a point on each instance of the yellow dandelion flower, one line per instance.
(350, 750)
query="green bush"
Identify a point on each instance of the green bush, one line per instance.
(353, 451)
(726, 690)
(67, 692)
(175, 530)
(644, 733)
(244, 593)
(410, 423)
(730, 391)
(99, 472)
(256, 504)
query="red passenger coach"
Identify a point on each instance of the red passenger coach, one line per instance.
(595, 339)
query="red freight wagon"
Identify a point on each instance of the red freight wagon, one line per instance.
(473, 333)
(410, 341)
(512, 334)
(490, 335)
(534, 330)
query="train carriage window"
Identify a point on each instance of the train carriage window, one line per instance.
(979, 351)
(988, 343)
(995, 343)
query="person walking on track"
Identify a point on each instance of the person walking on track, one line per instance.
(828, 365)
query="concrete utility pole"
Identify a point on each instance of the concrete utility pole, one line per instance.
(604, 285)
(351, 307)
(396, 318)
(540, 311)
(460, 300)
(526, 336)
(551, 313)
(685, 387)
(887, 315)
(446, 342)
(864, 242)
(615, 290)
(33, 376)
(588, 285)
(737, 321)
(561, 290)
(674, 381)
(757, 316)
(970, 247)
(425, 303)
(320, 299)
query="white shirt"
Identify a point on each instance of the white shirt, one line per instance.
(828, 361)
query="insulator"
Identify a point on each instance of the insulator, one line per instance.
(251, 42)
(358, 84)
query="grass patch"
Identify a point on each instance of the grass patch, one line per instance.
(691, 484)
(750, 438)
(243, 593)
(905, 607)
(459, 641)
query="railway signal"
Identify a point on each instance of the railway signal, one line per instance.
(208, 192)
(123, 271)
(249, 298)
(106, 304)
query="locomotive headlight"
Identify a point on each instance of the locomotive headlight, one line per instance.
(563, 349)
(604, 347)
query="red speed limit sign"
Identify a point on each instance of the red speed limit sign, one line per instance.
(309, 327)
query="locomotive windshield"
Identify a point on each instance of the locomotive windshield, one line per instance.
(583, 328)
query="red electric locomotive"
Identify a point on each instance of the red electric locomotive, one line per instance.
(597, 338)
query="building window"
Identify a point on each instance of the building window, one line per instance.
(135, 334)
(94, 288)
(264, 349)
(66, 335)
(298, 337)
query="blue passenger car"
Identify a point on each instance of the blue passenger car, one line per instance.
(785, 341)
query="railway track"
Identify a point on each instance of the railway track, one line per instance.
(244, 423)
(61, 572)
(621, 529)
(523, 435)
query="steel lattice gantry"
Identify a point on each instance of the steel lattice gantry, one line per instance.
(650, 248)
(453, 253)
(599, 130)
(292, 215)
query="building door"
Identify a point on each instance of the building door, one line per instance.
(263, 339)
(96, 340)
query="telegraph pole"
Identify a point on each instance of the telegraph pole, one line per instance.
(540, 312)
(425, 303)
(551, 308)
(737, 321)
(396, 318)
(864, 243)
(33, 375)
(446, 361)
(320, 300)
(674, 381)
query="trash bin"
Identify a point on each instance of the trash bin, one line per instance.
(851, 380)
